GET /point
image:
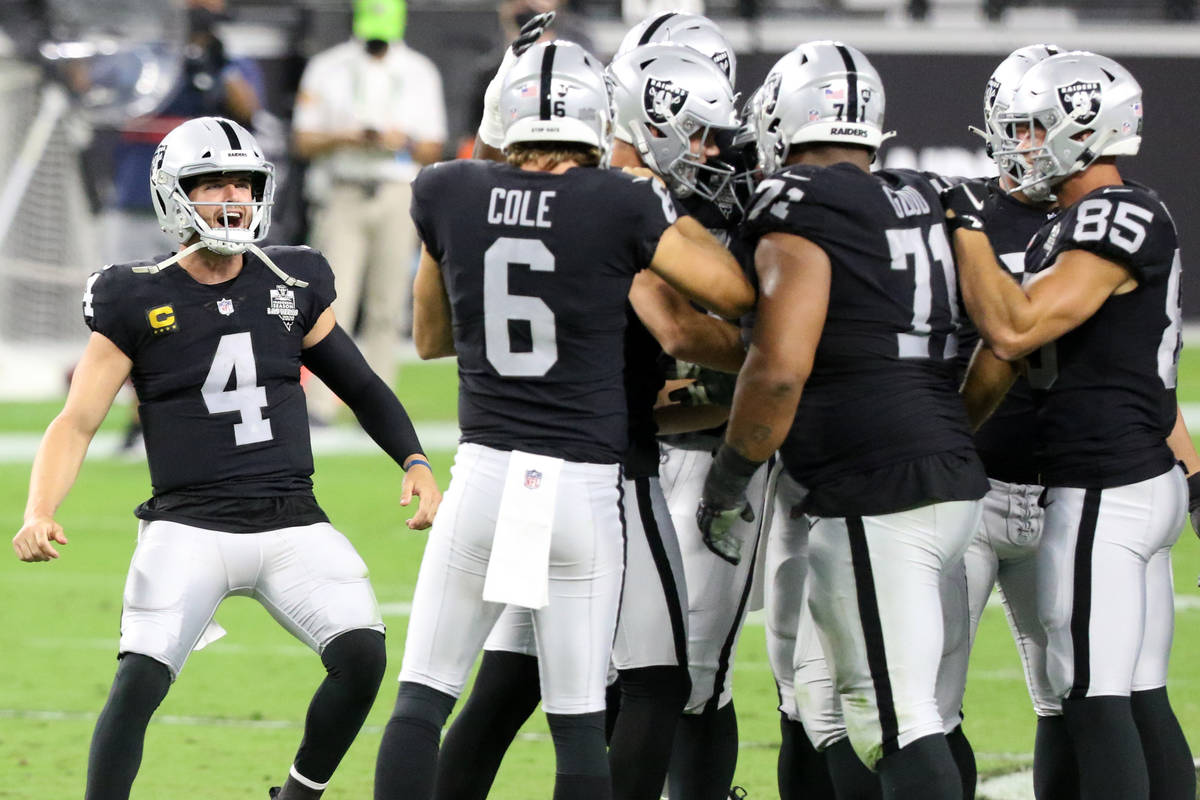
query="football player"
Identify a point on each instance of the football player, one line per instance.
(524, 275)
(214, 337)
(650, 650)
(1099, 324)
(850, 375)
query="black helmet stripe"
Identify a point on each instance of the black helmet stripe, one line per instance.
(851, 84)
(547, 72)
(231, 134)
(653, 27)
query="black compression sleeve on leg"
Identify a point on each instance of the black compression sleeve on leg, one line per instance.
(924, 768)
(964, 759)
(705, 754)
(1168, 758)
(639, 750)
(139, 687)
(1107, 748)
(505, 693)
(801, 771)
(355, 662)
(1055, 771)
(849, 774)
(407, 762)
(581, 771)
(337, 361)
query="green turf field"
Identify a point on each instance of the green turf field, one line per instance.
(230, 726)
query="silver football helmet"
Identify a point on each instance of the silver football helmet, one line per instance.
(691, 30)
(1066, 112)
(821, 92)
(556, 92)
(666, 96)
(203, 146)
(1002, 83)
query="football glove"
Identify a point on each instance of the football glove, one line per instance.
(964, 203)
(710, 387)
(1193, 484)
(491, 125)
(723, 502)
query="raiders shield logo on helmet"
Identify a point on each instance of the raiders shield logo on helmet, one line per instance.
(1081, 100)
(662, 100)
(721, 59)
(989, 94)
(770, 93)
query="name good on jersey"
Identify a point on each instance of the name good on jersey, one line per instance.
(1120, 365)
(217, 372)
(880, 426)
(1007, 440)
(537, 267)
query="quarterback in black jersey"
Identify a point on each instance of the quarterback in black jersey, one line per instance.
(850, 375)
(213, 338)
(524, 277)
(1099, 326)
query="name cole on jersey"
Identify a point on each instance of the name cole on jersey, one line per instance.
(216, 369)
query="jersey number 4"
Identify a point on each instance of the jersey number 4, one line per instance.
(235, 358)
(501, 308)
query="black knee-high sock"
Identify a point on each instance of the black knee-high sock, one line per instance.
(801, 771)
(140, 685)
(851, 778)
(406, 766)
(581, 771)
(924, 768)
(964, 759)
(612, 707)
(1055, 771)
(639, 751)
(1107, 748)
(704, 756)
(354, 663)
(505, 693)
(1168, 757)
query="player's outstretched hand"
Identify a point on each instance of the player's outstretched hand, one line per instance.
(531, 31)
(710, 388)
(35, 540)
(419, 481)
(964, 204)
(716, 526)
(1193, 484)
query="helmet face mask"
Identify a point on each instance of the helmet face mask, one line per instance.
(820, 93)
(557, 92)
(671, 102)
(1066, 112)
(211, 146)
(1000, 87)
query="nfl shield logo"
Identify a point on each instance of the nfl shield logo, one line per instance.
(225, 306)
(533, 479)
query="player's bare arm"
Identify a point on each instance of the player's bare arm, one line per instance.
(433, 331)
(1016, 321)
(988, 380)
(1184, 449)
(683, 331)
(97, 379)
(794, 277)
(693, 262)
(329, 352)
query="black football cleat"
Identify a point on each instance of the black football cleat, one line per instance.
(737, 793)
(274, 791)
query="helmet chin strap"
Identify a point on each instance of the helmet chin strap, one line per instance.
(253, 248)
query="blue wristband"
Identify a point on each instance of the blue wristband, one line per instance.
(416, 461)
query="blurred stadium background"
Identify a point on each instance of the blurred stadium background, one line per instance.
(235, 719)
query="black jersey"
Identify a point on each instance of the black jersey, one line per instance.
(217, 372)
(644, 376)
(1106, 390)
(880, 426)
(537, 268)
(1007, 440)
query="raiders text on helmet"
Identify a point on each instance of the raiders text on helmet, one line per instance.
(204, 146)
(1088, 106)
(556, 92)
(666, 96)
(821, 92)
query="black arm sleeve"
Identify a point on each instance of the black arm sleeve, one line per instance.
(337, 361)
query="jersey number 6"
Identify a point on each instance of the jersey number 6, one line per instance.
(500, 308)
